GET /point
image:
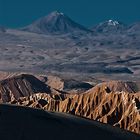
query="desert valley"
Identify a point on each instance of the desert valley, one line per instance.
(61, 80)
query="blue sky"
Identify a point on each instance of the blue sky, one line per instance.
(17, 13)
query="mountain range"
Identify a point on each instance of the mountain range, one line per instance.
(56, 44)
(57, 65)
(59, 23)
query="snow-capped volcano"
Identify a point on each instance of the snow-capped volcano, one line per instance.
(55, 23)
(113, 23)
(109, 26)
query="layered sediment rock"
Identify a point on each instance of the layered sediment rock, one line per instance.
(115, 108)
(21, 86)
(115, 103)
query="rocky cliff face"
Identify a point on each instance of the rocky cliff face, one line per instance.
(118, 109)
(115, 108)
(21, 86)
(115, 103)
(66, 85)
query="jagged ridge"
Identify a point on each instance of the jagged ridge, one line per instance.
(21, 86)
(102, 103)
(115, 102)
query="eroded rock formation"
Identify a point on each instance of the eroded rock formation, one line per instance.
(116, 108)
(21, 86)
(115, 103)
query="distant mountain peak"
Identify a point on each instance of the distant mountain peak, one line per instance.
(113, 22)
(109, 26)
(55, 23)
(58, 13)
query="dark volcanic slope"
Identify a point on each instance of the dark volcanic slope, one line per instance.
(55, 22)
(21, 86)
(26, 124)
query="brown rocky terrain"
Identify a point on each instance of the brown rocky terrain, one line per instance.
(116, 103)
(89, 66)
(67, 85)
(117, 109)
(21, 86)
